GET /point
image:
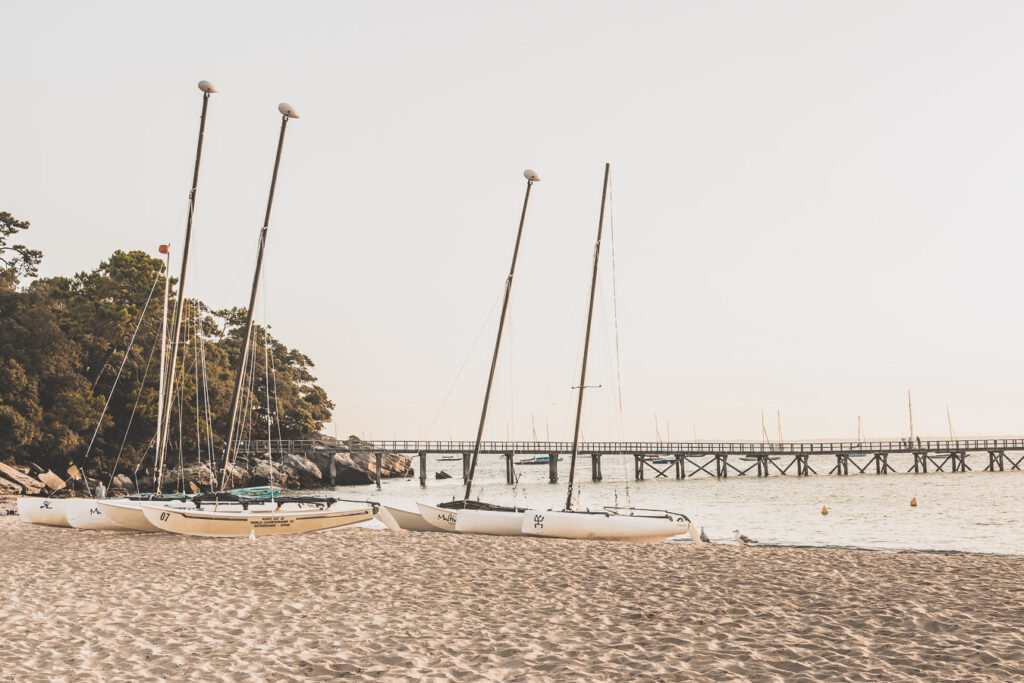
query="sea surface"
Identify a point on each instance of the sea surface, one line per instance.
(978, 512)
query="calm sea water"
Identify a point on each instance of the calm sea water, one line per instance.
(971, 512)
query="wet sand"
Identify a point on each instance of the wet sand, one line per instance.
(361, 604)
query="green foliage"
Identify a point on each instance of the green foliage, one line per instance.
(16, 260)
(63, 341)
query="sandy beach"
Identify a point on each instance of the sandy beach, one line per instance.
(369, 605)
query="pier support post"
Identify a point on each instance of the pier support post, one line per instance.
(722, 465)
(423, 468)
(466, 457)
(510, 469)
(638, 466)
(378, 457)
(595, 467)
(680, 466)
(553, 468)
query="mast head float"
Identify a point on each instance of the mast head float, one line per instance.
(207, 87)
(288, 110)
(531, 175)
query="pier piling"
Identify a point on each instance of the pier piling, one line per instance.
(423, 468)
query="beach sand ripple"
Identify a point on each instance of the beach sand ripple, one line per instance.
(373, 605)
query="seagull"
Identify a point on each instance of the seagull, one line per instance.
(741, 539)
(704, 536)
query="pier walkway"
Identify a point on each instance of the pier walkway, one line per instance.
(721, 459)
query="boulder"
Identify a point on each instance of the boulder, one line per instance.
(8, 487)
(30, 485)
(196, 475)
(120, 482)
(300, 470)
(52, 481)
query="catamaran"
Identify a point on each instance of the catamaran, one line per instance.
(609, 522)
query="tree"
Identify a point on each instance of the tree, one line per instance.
(16, 260)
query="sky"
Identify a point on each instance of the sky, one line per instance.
(815, 207)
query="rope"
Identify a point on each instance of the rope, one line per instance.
(465, 362)
(103, 413)
(142, 385)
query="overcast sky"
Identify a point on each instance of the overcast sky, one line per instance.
(816, 206)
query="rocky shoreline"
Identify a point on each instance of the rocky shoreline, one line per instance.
(323, 462)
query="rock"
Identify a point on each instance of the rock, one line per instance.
(30, 485)
(264, 473)
(120, 482)
(196, 475)
(8, 487)
(300, 470)
(442, 475)
(52, 481)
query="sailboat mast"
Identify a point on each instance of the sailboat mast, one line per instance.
(161, 442)
(586, 343)
(531, 178)
(286, 113)
(910, 414)
(166, 250)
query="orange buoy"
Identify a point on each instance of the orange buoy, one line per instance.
(913, 502)
(824, 510)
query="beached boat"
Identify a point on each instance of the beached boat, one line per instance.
(45, 511)
(411, 521)
(444, 516)
(85, 513)
(611, 523)
(325, 515)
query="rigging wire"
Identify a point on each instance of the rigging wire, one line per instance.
(131, 418)
(106, 405)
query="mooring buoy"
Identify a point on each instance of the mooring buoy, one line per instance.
(824, 510)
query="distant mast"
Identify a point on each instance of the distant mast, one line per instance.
(287, 112)
(586, 343)
(910, 414)
(531, 178)
(207, 89)
(166, 250)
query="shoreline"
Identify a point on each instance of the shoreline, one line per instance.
(366, 605)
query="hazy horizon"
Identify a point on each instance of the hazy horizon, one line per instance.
(815, 206)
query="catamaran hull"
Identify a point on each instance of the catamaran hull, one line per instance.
(128, 513)
(85, 513)
(243, 523)
(410, 521)
(442, 518)
(602, 527)
(493, 522)
(46, 511)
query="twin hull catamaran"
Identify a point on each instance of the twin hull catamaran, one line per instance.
(610, 523)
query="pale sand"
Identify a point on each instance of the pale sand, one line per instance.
(363, 604)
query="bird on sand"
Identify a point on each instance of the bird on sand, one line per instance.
(704, 536)
(741, 539)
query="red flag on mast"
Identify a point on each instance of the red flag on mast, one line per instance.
(165, 249)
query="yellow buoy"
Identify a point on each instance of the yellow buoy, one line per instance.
(913, 502)
(824, 510)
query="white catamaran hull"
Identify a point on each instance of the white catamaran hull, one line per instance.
(85, 513)
(47, 511)
(603, 527)
(128, 513)
(261, 523)
(442, 518)
(410, 521)
(493, 522)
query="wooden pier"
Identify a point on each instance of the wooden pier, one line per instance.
(719, 459)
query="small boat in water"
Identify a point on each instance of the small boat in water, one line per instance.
(538, 460)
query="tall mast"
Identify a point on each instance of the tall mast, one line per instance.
(586, 343)
(287, 112)
(161, 441)
(531, 177)
(166, 250)
(910, 414)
